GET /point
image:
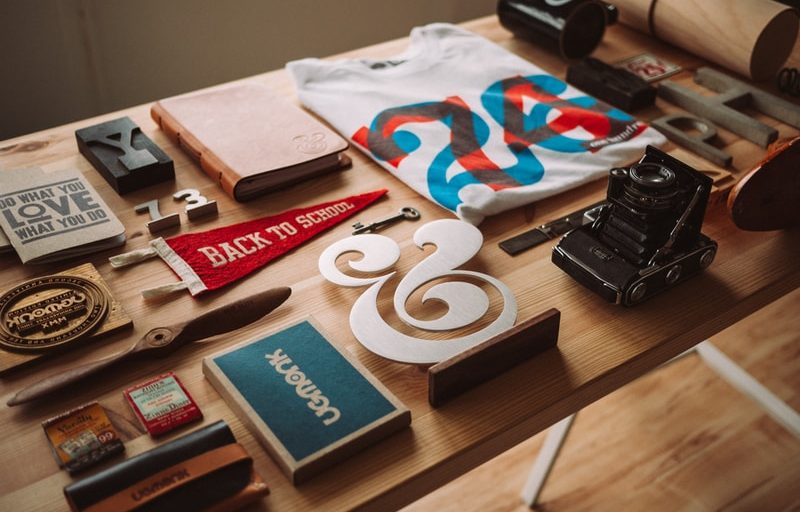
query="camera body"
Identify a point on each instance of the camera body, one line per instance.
(646, 238)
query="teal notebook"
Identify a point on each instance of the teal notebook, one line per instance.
(308, 402)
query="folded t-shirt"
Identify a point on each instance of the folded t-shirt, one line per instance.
(468, 124)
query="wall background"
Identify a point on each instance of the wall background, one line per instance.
(64, 60)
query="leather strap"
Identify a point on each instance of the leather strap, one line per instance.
(254, 490)
(168, 479)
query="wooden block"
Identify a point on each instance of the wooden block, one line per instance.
(201, 210)
(124, 156)
(157, 221)
(309, 403)
(115, 320)
(197, 204)
(616, 86)
(722, 108)
(454, 376)
(674, 126)
(722, 185)
(722, 180)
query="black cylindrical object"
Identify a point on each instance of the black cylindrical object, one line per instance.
(571, 28)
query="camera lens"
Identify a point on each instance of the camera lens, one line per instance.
(652, 175)
(650, 188)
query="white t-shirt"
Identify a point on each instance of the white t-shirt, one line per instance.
(468, 124)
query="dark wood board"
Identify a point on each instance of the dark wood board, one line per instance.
(451, 377)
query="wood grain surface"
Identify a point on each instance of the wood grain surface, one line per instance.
(601, 346)
(680, 439)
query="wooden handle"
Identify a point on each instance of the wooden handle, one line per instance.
(65, 378)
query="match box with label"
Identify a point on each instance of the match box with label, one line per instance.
(82, 437)
(309, 403)
(162, 404)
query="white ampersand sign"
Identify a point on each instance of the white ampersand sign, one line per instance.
(456, 243)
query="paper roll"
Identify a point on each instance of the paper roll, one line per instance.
(635, 13)
(751, 37)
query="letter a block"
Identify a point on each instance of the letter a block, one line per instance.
(310, 403)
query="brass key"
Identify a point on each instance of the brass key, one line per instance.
(406, 213)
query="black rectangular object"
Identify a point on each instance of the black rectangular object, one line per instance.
(125, 156)
(616, 279)
(524, 241)
(206, 491)
(545, 232)
(607, 280)
(615, 86)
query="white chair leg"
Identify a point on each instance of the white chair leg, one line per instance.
(717, 361)
(545, 460)
(745, 383)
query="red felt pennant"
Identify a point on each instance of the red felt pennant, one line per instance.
(212, 259)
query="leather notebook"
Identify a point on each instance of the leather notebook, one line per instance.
(249, 139)
(204, 470)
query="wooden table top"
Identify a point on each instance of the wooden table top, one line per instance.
(601, 346)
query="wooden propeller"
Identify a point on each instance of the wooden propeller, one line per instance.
(162, 341)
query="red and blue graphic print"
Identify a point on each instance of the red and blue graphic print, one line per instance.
(546, 125)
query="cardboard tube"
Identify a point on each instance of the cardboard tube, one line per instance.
(751, 37)
(635, 13)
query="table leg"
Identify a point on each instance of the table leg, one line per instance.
(545, 460)
(717, 361)
(744, 382)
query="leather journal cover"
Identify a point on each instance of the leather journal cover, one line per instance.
(248, 139)
(205, 470)
(308, 402)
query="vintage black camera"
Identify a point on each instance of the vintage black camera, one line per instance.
(646, 237)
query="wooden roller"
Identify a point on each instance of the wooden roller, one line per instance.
(751, 37)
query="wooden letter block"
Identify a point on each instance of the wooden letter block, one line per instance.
(733, 94)
(673, 126)
(454, 376)
(126, 157)
(308, 402)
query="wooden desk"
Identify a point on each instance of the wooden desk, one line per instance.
(601, 346)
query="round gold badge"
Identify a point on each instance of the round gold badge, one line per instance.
(49, 311)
